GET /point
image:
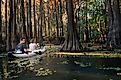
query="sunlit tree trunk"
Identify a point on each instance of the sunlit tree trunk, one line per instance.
(6, 22)
(61, 13)
(9, 46)
(71, 43)
(0, 22)
(48, 18)
(56, 15)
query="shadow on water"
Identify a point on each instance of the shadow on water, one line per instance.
(59, 68)
(3, 67)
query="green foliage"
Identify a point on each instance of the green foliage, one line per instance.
(93, 15)
(95, 33)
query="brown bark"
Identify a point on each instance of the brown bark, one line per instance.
(114, 34)
(40, 23)
(71, 43)
(35, 28)
(9, 46)
(61, 13)
(0, 22)
(29, 19)
(56, 10)
(24, 33)
(14, 28)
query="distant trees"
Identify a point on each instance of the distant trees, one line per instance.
(54, 20)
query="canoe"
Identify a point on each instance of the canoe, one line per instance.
(29, 54)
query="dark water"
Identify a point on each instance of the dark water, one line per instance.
(60, 68)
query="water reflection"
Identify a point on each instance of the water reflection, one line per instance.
(68, 68)
(3, 67)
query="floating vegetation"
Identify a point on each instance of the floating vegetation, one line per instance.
(5, 74)
(31, 68)
(43, 72)
(64, 62)
(111, 68)
(13, 77)
(106, 54)
(81, 64)
(17, 66)
(110, 79)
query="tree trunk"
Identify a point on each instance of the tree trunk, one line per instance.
(48, 18)
(6, 18)
(56, 15)
(117, 24)
(114, 34)
(29, 20)
(86, 27)
(35, 29)
(71, 43)
(45, 31)
(9, 28)
(24, 33)
(12, 21)
(111, 19)
(40, 23)
(61, 13)
(0, 21)
(14, 28)
(105, 20)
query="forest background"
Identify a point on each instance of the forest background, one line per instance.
(68, 23)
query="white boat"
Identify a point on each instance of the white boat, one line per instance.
(40, 50)
(29, 54)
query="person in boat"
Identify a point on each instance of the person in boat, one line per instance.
(32, 45)
(38, 45)
(42, 44)
(22, 47)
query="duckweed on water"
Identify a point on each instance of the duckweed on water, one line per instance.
(64, 62)
(111, 68)
(31, 68)
(81, 64)
(13, 77)
(43, 72)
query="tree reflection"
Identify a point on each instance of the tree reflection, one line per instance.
(3, 68)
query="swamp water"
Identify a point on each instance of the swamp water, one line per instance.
(59, 68)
